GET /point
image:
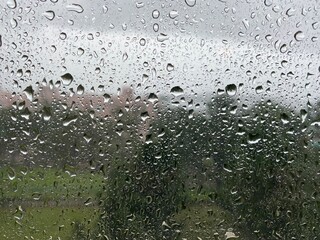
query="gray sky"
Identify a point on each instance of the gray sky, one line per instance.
(271, 48)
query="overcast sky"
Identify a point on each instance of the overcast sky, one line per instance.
(270, 48)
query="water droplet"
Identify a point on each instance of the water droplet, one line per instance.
(49, 15)
(170, 67)
(259, 89)
(68, 120)
(268, 3)
(173, 14)
(231, 89)
(13, 23)
(124, 57)
(303, 114)
(162, 37)
(75, 8)
(63, 36)
(190, 3)
(140, 4)
(12, 4)
(11, 173)
(66, 79)
(284, 118)
(290, 12)
(152, 97)
(155, 14)
(29, 93)
(106, 97)
(156, 27)
(176, 91)
(283, 48)
(246, 23)
(142, 42)
(80, 90)
(253, 138)
(80, 51)
(105, 9)
(299, 36)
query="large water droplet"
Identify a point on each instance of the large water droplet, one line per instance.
(176, 91)
(299, 36)
(170, 67)
(173, 14)
(12, 4)
(80, 89)
(29, 93)
(75, 8)
(66, 79)
(155, 14)
(162, 37)
(190, 3)
(49, 15)
(231, 89)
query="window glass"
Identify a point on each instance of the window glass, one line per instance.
(185, 119)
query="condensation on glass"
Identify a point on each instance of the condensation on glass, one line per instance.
(189, 119)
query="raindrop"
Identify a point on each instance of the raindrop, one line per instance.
(170, 67)
(140, 4)
(68, 120)
(75, 8)
(290, 12)
(49, 15)
(105, 9)
(124, 57)
(246, 23)
(80, 90)
(12, 4)
(299, 36)
(253, 138)
(284, 118)
(303, 114)
(162, 37)
(106, 97)
(259, 89)
(11, 173)
(176, 91)
(231, 89)
(80, 51)
(29, 93)
(268, 3)
(142, 42)
(156, 27)
(152, 97)
(190, 3)
(63, 36)
(283, 48)
(155, 14)
(173, 14)
(13, 23)
(66, 79)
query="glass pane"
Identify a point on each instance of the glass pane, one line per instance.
(191, 119)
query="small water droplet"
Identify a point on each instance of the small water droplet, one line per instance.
(170, 67)
(105, 9)
(299, 36)
(75, 8)
(140, 4)
(173, 14)
(191, 3)
(80, 51)
(176, 91)
(162, 37)
(155, 14)
(246, 23)
(49, 15)
(152, 97)
(156, 27)
(268, 3)
(283, 48)
(63, 36)
(231, 89)
(259, 89)
(13, 23)
(124, 57)
(142, 42)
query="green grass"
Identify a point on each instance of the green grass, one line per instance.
(48, 184)
(45, 223)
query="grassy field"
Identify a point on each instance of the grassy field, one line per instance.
(47, 203)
